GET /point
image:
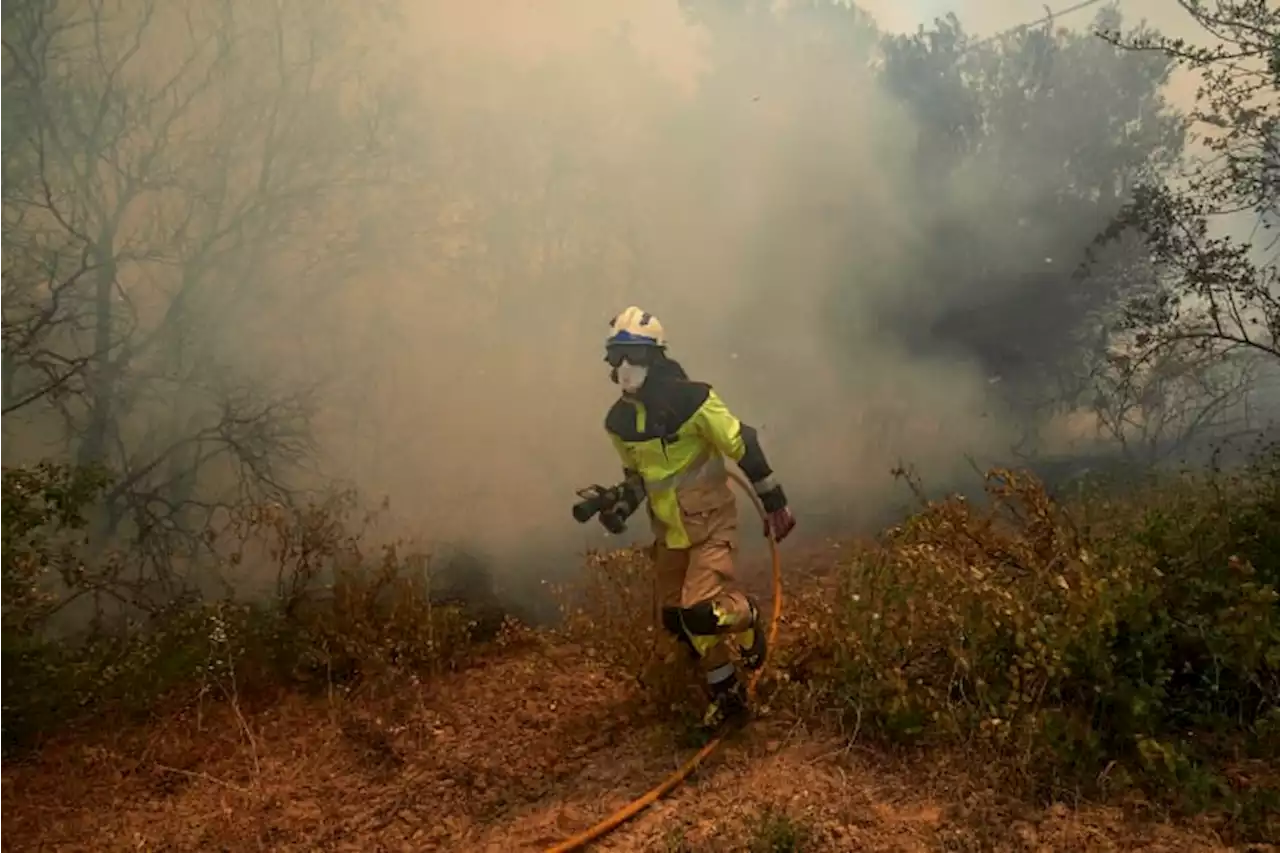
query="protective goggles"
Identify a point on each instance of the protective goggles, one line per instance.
(637, 355)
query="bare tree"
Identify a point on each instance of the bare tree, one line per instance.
(171, 164)
(1160, 405)
(46, 261)
(1219, 293)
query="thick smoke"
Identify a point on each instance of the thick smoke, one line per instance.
(562, 174)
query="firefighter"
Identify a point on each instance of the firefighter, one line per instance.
(673, 435)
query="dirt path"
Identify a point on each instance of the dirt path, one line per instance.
(516, 754)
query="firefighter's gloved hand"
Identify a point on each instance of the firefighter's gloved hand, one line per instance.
(779, 523)
(779, 520)
(614, 519)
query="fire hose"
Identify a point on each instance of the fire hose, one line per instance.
(669, 784)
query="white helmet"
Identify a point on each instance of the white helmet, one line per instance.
(637, 327)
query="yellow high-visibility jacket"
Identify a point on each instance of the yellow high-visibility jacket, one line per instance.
(676, 440)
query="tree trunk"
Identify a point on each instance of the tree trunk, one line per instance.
(101, 372)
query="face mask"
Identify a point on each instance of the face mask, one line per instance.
(630, 376)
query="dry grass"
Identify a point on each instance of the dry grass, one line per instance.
(341, 612)
(875, 730)
(530, 745)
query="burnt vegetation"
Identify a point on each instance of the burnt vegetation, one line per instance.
(168, 541)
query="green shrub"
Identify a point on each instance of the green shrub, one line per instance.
(1127, 638)
(44, 510)
(775, 831)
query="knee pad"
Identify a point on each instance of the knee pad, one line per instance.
(701, 619)
(671, 621)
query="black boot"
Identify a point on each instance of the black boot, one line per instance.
(728, 702)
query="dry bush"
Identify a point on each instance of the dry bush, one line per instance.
(342, 612)
(1136, 641)
(612, 612)
(337, 613)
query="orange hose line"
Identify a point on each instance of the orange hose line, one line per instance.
(669, 784)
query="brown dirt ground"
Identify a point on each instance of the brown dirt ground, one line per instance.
(523, 750)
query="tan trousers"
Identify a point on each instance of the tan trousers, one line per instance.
(704, 572)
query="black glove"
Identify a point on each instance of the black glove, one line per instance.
(614, 518)
(614, 505)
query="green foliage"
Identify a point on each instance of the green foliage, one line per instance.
(41, 509)
(1123, 640)
(1027, 143)
(991, 163)
(44, 516)
(1215, 291)
(777, 832)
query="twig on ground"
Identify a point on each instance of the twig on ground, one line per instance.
(205, 776)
